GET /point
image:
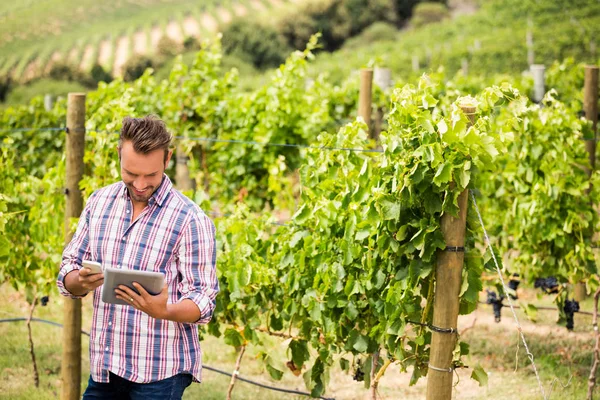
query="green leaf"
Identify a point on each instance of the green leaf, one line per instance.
(302, 214)
(276, 323)
(362, 234)
(233, 337)
(361, 344)
(299, 351)
(274, 372)
(530, 311)
(351, 311)
(344, 364)
(390, 210)
(480, 375)
(442, 126)
(443, 174)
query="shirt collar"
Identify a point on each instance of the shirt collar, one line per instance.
(163, 191)
(160, 195)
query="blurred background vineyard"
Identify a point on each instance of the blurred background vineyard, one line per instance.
(227, 80)
(56, 46)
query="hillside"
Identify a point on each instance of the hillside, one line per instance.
(493, 39)
(35, 34)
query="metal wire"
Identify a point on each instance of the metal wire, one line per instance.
(262, 385)
(506, 290)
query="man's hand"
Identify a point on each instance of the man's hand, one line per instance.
(81, 281)
(89, 280)
(154, 306)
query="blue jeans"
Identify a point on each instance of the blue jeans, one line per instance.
(121, 389)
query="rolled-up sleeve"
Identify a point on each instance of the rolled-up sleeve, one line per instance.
(197, 265)
(76, 251)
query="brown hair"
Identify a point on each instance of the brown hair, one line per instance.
(146, 134)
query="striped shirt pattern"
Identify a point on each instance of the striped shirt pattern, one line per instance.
(173, 236)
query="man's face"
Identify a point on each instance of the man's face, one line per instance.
(142, 173)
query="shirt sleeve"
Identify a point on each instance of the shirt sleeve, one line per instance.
(197, 266)
(77, 250)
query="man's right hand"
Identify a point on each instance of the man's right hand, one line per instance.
(82, 281)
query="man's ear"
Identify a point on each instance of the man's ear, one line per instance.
(169, 154)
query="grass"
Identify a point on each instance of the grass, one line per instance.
(563, 359)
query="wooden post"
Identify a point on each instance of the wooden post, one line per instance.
(48, 103)
(415, 64)
(529, 42)
(75, 145)
(365, 95)
(448, 277)
(182, 172)
(382, 77)
(429, 56)
(590, 107)
(539, 85)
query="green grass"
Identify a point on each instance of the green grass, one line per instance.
(563, 358)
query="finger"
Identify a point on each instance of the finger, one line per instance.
(126, 298)
(141, 290)
(96, 277)
(125, 292)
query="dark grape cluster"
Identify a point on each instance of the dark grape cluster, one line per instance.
(513, 284)
(359, 374)
(44, 300)
(548, 285)
(496, 302)
(570, 307)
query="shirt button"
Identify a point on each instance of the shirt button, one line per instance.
(106, 348)
(127, 211)
(109, 323)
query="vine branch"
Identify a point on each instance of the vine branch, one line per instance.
(236, 372)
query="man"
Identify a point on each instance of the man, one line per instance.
(148, 349)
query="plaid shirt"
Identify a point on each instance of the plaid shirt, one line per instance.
(172, 235)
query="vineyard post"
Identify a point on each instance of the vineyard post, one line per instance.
(464, 66)
(382, 77)
(448, 277)
(365, 96)
(415, 63)
(539, 85)
(75, 144)
(529, 42)
(590, 107)
(48, 103)
(182, 172)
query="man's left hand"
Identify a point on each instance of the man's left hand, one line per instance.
(155, 306)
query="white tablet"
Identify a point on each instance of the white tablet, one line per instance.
(153, 282)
